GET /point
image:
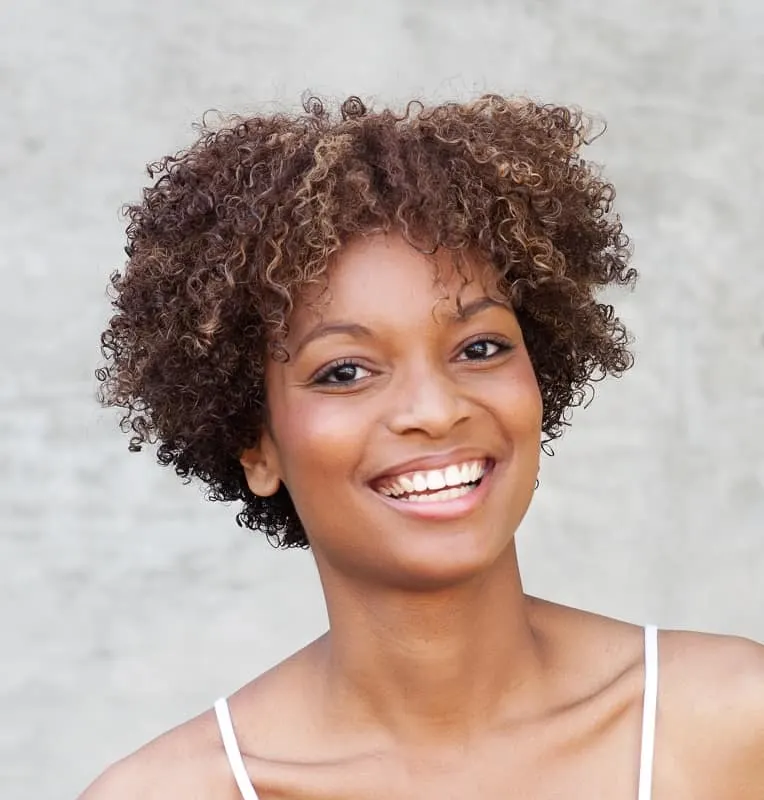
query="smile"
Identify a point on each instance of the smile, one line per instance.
(435, 485)
(445, 493)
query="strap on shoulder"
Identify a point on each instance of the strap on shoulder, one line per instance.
(227, 734)
(649, 713)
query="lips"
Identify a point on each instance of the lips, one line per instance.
(453, 477)
(454, 469)
(440, 505)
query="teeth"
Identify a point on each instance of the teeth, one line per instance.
(406, 484)
(420, 482)
(435, 480)
(445, 494)
(439, 481)
(453, 476)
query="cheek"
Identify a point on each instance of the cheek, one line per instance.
(318, 437)
(533, 406)
(520, 403)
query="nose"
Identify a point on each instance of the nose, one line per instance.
(429, 401)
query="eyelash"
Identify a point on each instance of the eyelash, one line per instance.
(320, 378)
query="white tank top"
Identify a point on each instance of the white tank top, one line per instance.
(649, 714)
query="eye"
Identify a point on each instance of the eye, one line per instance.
(341, 373)
(483, 349)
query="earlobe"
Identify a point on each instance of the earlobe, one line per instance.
(260, 471)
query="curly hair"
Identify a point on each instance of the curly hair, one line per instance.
(234, 227)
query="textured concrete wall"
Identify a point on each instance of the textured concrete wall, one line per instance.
(128, 604)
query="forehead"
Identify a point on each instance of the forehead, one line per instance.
(383, 276)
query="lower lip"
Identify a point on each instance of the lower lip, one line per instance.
(443, 509)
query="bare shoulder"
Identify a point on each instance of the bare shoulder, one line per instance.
(187, 762)
(710, 728)
(712, 704)
(722, 673)
(190, 760)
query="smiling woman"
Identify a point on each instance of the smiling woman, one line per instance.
(366, 329)
(394, 388)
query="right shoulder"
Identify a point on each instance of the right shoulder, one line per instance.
(131, 777)
(188, 761)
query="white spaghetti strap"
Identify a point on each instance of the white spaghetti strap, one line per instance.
(232, 750)
(649, 713)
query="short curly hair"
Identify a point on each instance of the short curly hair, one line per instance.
(234, 227)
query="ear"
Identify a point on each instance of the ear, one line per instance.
(261, 467)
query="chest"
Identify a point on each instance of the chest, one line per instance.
(540, 763)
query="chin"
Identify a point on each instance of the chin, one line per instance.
(450, 561)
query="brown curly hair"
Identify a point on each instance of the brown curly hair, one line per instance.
(234, 227)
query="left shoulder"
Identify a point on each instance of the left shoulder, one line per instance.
(712, 696)
(711, 656)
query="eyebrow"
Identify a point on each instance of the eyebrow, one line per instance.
(462, 314)
(348, 328)
(468, 310)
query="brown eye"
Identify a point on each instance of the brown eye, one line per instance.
(483, 349)
(343, 374)
(346, 372)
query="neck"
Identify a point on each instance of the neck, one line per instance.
(438, 664)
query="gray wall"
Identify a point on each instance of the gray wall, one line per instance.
(126, 602)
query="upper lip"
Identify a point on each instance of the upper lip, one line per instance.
(433, 461)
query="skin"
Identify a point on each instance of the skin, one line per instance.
(439, 677)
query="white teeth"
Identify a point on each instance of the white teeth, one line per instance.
(445, 494)
(438, 481)
(453, 476)
(406, 484)
(420, 482)
(435, 480)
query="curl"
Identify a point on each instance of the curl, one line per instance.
(234, 228)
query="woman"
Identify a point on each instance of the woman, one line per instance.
(366, 329)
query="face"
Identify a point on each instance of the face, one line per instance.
(406, 424)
